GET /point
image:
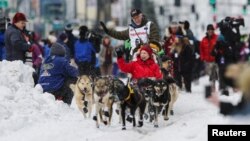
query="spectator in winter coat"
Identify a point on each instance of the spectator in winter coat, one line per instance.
(185, 26)
(37, 56)
(2, 48)
(46, 48)
(16, 42)
(106, 56)
(207, 44)
(166, 69)
(63, 39)
(140, 30)
(143, 67)
(206, 47)
(36, 61)
(37, 52)
(71, 39)
(57, 74)
(167, 65)
(224, 54)
(183, 62)
(171, 36)
(85, 53)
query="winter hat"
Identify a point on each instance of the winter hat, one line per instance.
(186, 24)
(174, 24)
(19, 17)
(68, 27)
(135, 12)
(83, 30)
(62, 36)
(147, 49)
(210, 27)
(57, 49)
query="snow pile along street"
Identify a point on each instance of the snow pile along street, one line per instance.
(22, 105)
(27, 114)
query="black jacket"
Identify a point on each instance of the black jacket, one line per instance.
(15, 44)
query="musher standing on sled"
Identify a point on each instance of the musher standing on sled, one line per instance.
(140, 31)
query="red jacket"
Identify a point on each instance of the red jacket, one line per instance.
(140, 69)
(206, 46)
(168, 43)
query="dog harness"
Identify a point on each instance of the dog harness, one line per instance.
(128, 97)
(130, 89)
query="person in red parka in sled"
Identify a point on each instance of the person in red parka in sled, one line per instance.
(143, 67)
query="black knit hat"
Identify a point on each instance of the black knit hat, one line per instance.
(186, 24)
(63, 36)
(57, 49)
(210, 27)
(68, 27)
(135, 12)
(83, 30)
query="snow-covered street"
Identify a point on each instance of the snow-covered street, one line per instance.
(26, 114)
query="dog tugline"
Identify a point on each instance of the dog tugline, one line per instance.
(146, 90)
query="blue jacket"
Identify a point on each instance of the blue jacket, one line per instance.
(2, 48)
(54, 71)
(84, 52)
(46, 51)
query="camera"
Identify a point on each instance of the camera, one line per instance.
(4, 22)
(208, 91)
(229, 22)
(27, 32)
(229, 28)
(95, 39)
(137, 42)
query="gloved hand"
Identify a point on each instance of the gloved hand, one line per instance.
(104, 26)
(31, 48)
(127, 44)
(119, 52)
(160, 53)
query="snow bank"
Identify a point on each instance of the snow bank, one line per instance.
(27, 114)
(20, 103)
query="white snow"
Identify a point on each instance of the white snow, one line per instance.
(27, 114)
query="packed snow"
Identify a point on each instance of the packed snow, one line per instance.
(28, 114)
